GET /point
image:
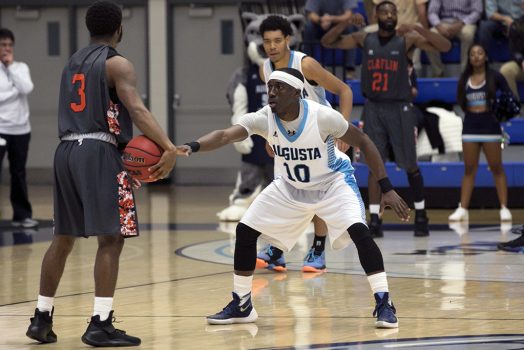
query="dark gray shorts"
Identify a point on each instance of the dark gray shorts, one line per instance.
(392, 126)
(92, 193)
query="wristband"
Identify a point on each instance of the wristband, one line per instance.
(194, 145)
(385, 185)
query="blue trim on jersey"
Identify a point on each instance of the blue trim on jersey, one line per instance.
(283, 131)
(344, 166)
(291, 56)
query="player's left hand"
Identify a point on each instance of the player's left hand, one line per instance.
(135, 183)
(358, 20)
(393, 200)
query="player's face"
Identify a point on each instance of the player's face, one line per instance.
(387, 17)
(276, 45)
(477, 56)
(281, 96)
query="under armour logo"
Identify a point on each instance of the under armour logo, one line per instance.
(291, 132)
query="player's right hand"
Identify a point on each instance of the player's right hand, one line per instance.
(393, 200)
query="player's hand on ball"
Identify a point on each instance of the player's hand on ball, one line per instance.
(393, 200)
(135, 183)
(162, 169)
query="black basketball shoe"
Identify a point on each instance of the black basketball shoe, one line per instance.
(375, 226)
(514, 246)
(104, 334)
(41, 327)
(421, 223)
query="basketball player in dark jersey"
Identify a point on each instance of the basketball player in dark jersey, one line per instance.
(92, 192)
(388, 115)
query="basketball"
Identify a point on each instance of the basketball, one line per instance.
(139, 155)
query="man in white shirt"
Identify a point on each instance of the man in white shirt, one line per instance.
(15, 86)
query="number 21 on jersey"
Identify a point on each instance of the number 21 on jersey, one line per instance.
(79, 80)
(380, 82)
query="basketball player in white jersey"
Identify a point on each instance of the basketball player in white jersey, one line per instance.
(276, 32)
(315, 179)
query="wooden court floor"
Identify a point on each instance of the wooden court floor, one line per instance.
(452, 290)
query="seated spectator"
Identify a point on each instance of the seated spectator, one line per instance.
(453, 19)
(322, 15)
(513, 71)
(408, 12)
(500, 15)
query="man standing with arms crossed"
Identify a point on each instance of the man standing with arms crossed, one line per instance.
(388, 114)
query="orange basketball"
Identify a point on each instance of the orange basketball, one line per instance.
(139, 155)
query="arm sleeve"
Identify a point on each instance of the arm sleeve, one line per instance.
(255, 123)
(433, 11)
(21, 78)
(331, 122)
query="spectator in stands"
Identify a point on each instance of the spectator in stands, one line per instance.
(500, 15)
(408, 12)
(476, 91)
(322, 15)
(513, 71)
(454, 19)
(15, 130)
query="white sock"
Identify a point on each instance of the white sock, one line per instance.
(242, 285)
(374, 208)
(103, 307)
(45, 303)
(378, 282)
(420, 205)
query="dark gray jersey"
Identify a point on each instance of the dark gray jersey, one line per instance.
(85, 105)
(385, 69)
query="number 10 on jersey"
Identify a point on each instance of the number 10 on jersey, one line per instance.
(300, 172)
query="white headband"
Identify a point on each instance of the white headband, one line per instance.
(287, 78)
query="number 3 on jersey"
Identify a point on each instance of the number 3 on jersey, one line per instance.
(380, 82)
(79, 107)
(301, 172)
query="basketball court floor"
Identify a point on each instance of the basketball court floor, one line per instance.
(452, 290)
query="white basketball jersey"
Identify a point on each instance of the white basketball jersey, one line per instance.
(303, 159)
(312, 92)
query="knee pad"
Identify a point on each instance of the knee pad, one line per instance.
(358, 232)
(245, 257)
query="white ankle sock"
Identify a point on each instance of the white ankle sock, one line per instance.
(378, 282)
(103, 307)
(374, 208)
(242, 285)
(420, 205)
(45, 303)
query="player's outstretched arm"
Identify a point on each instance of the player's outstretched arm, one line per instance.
(215, 139)
(121, 74)
(355, 137)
